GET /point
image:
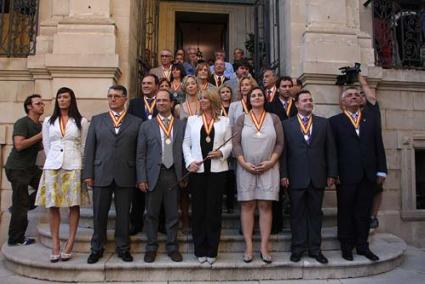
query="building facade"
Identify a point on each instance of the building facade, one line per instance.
(89, 45)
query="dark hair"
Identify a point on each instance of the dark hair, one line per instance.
(154, 77)
(73, 109)
(248, 102)
(297, 96)
(179, 67)
(164, 80)
(242, 62)
(120, 88)
(28, 101)
(283, 78)
(170, 95)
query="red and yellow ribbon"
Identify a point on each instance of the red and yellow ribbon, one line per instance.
(167, 131)
(208, 125)
(355, 123)
(148, 106)
(258, 123)
(62, 126)
(117, 121)
(288, 107)
(245, 108)
(305, 129)
(223, 111)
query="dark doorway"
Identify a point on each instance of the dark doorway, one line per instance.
(206, 31)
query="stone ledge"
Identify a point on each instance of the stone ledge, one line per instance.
(229, 266)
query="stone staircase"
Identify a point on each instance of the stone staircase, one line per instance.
(33, 261)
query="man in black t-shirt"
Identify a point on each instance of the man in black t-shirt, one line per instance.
(21, 170)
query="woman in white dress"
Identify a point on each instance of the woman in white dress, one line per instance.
(64, 134)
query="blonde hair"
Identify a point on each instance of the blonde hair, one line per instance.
(251, 80)
(215, 101)
(184, 84)
(200, 66)
(225, 87)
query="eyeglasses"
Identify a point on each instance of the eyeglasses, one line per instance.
(112, 97)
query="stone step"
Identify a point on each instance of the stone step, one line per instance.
(231, 240)
(33, 261)
(230, 221)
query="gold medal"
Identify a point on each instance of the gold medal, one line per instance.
(167, 131)
(208, 125)
(258, 123)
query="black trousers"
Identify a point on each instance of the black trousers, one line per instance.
(207, 194)
(102, 198)
(306, 219)
(354, 207)
(230, 189)
(277, 211)
(21, 200)
(137, 209)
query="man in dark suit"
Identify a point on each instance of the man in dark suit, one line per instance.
(361, 167)
(160, 143)
(144, 108)
(217, 78)
(308, 165)
(284, 107)
(110, 168)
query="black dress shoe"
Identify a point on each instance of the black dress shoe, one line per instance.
(175, 256)
(295, 257)
(368, 254)
(94, 257)
(319, 257)
(125, 256)
(347, 255)
(149, 256)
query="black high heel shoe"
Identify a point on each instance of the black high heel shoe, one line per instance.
(266, 258)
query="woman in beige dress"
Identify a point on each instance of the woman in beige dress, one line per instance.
(257, 147)
(64, 136)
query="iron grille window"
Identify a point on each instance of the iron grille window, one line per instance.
(18, 27)
(399, 33)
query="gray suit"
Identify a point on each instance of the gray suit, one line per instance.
(307, 165)
(110, 159)
(151, 170)
(158, 72)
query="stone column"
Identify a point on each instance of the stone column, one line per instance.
(76, 47)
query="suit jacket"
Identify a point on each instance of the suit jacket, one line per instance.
(149, 151)
(136, 107)
(212, 80)
(108, 156)
(157, 71)
(228, 69)
(66, 151)
(361, 155)
(304, 163)
(277, 108)
(192, 143)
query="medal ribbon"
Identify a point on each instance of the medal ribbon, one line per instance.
(117, 121)
(355, 123)
(258, 124)
(223, 111)
(207, 125)
(288, 107)
(148, 106)
(62, 127)
(167, 131)
(272, 93)
(305, 128)
(245, 108)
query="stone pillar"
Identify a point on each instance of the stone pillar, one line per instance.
(76, 47)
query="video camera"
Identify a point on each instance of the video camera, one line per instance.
(349, 75)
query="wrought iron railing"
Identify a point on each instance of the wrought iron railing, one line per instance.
(399, 33)
(18, 27)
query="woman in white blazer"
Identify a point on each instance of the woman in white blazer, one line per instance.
(64, 136)
(204, 134)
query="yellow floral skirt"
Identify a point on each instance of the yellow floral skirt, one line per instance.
(61, 188)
